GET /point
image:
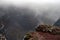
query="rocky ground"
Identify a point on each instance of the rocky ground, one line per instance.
(43, 34)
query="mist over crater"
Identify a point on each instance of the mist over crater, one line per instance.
(20, 19)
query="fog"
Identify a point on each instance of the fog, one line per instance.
(20, 18)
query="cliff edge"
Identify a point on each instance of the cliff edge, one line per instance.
(44, 32)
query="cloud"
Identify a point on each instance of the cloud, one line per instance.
(29, 1)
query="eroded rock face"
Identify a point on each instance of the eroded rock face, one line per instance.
(46, 34)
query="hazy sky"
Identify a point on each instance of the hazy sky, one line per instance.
(29, 1)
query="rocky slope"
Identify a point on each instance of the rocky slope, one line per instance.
(44, 32)
(57, 23)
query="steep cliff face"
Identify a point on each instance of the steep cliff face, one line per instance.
(57, 23)
(17, 22)
(46, 32)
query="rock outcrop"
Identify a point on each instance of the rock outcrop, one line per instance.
(44, 32)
